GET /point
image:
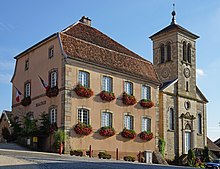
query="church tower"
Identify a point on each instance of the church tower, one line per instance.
(182, 107)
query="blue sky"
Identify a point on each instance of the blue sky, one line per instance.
(24, 23)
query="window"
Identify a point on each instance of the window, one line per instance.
(84, 78)
(146, 92)
(53, 115)
(83, 116)
(171, 119)
(128, 87)
(189, 53)
(184, 51)
(162, 57)
(53, 78)
(27, 64)
(187, 86)
(168, 51)
(27, 89)
(129, 122)
(199, 123)
(146, 124)
(51, 52)
(106, 119)
(107, 83)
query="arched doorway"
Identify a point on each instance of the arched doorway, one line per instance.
(187, 138)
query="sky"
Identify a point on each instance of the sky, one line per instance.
(23, 23)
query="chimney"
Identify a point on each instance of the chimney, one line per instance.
(85, 20)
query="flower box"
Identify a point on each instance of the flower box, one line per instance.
(146, 135)
(107, 96)
(126, 133)
(129, 158)
(83, 91)
(104, 155)
(26, 101)
(107, 131)
(82, 129)
(128, 99)
(146, 103)
(52, 91)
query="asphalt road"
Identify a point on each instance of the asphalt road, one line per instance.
(22, 159)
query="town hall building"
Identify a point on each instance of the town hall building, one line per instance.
(84, 79)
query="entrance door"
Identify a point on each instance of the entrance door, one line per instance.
(187, 141)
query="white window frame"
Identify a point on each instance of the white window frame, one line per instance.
(53, 115)
(84, 78)
(106, 119)
(53, 78)
(83, 116)
(146, 92)
(27, 88)
(146, 124)
(128, 87)
(129, 122)
(107, 83)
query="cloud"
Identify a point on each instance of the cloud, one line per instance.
(5, 78)
(200, 73)
(6, 27)
(6, 65)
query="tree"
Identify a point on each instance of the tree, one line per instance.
(191, 158)
(46, 127)
(6, 134)
(30, 126)
(206, 154)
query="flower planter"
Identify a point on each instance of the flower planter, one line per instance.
(128, 99)
(83, 129)
(128, 134)
(26, 101)
(146, 103)
(83, 91)
(107, 96)
(52, 91)
(146, 135)
(107, 131)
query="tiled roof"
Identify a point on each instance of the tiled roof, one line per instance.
(212, 146)
(90, 45)
(175, 26)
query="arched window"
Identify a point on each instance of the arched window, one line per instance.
(162, 58)
(171, 119)
(189, 53)
(168, 51)
(199, 123)
(184, 51)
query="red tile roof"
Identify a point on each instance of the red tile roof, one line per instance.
(88, 44)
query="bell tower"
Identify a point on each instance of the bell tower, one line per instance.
(174, 56)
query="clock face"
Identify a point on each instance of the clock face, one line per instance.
(186, 72)
(165, 72)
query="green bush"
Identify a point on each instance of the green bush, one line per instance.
(129, 158)
(191, 158)
(76, 152)
(161, 146)
(6, 134)
(206, 154)
(104, 155)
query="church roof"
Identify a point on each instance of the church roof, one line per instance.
(212, 146)
(167, 84)
(198, 91)
(176, 27)
(87, 44)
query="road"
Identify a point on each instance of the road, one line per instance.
(23, 159)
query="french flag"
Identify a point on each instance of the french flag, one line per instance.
(44, 83)
(18, 94)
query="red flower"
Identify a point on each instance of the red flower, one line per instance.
(146, 103)
(107, 96)
(146, 135)
(128, 99)
(128, 133)
(107, 131)
(83, 129)
(83, 91)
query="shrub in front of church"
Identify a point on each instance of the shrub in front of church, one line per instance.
(82, 129)
(83, 91)
(107, 131)
(128, 99)
(146, 135)
(26, 101)
(126, 133)
(146, 103)
(52, 91)
(107, 96)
